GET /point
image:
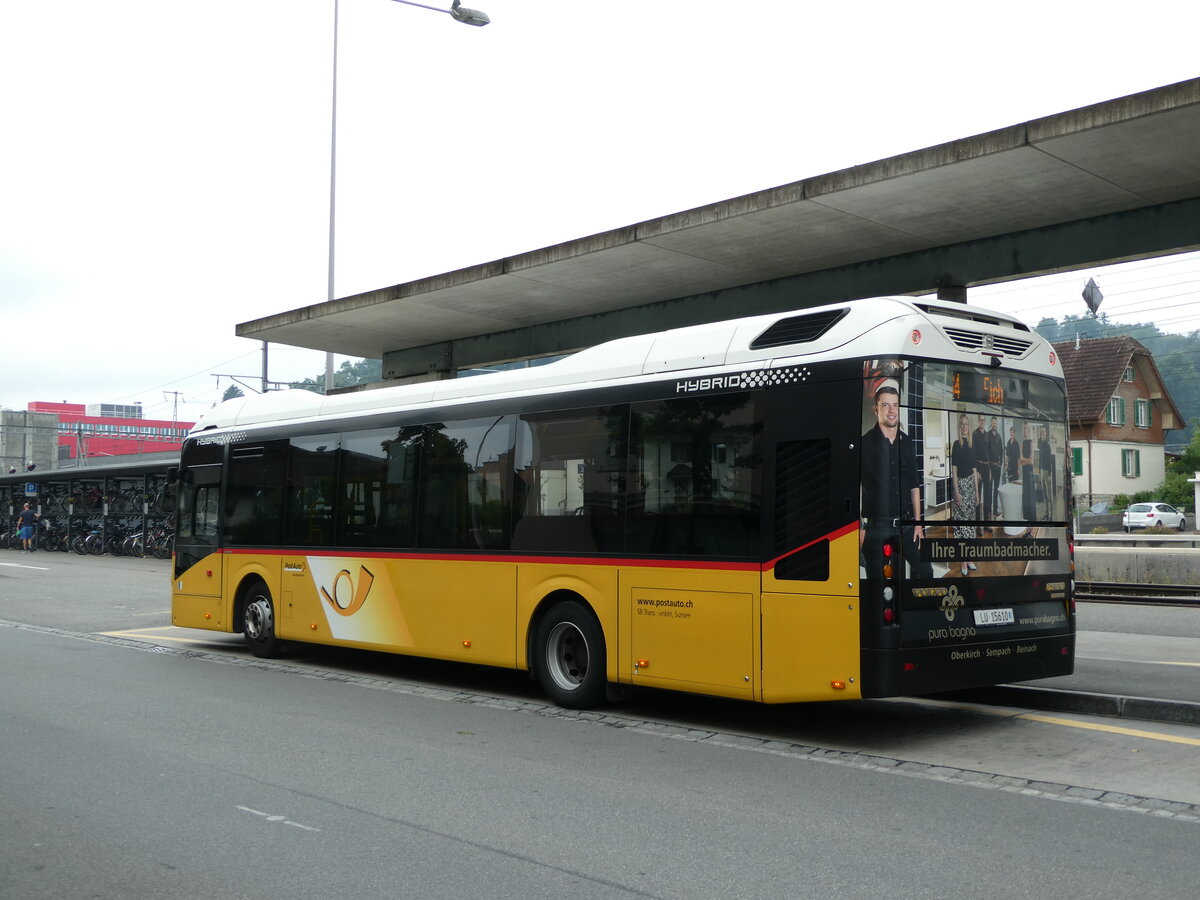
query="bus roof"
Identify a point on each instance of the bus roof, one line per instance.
(870, 328)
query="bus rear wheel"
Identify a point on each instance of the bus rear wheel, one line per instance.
(258, 622)
(568, 656)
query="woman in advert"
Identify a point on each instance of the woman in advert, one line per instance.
(966, 484)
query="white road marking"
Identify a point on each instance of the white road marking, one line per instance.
(283, 820)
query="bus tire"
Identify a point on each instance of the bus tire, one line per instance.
(258, 622)
(568, 656)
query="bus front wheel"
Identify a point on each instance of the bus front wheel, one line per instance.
(258, 623)
(569, 657)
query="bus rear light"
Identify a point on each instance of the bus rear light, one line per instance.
(888, 571)
(889, 615)
(910, 667)
(888, 550)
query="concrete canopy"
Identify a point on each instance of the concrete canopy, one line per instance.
(1117, 180)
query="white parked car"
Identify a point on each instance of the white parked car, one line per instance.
(1144, 515)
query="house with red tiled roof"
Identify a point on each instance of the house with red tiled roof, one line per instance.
(1119, 413)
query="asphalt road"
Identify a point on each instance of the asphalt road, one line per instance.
(137, 760)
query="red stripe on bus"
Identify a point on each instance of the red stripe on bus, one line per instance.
(568, 560)
(849, 528)
(540, 560)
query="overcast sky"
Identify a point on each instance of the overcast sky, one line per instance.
(164, 166)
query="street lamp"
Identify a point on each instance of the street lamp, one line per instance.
(459, 14)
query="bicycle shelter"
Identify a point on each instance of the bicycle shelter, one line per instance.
(111, 499)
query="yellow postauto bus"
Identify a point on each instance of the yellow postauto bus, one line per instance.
(866, 499)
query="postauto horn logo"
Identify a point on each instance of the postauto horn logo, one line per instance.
(347, 596)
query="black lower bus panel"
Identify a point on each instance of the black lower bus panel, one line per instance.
(930, 670)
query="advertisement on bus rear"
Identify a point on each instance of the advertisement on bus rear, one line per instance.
(965, 500)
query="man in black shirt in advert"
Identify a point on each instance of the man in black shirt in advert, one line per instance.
(891, 487)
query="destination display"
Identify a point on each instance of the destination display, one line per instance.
(986, 387)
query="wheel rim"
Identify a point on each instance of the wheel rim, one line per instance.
(260, 621)
(566, 656)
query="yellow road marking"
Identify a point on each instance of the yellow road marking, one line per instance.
(1066, 723)
(140, 632)
(1111, 729)
(1148, 662)
(132, 631)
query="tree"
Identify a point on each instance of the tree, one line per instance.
(232, 391)
(1176, 489)
(350, 372)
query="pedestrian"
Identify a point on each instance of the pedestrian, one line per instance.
(25, 524)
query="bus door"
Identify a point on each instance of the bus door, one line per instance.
(810, 582)
(197, 560)
(695, 500)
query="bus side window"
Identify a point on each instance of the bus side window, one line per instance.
(199, 498)
(570, 477)
(696, 466)
(254, 493)
(464, 489)
(206, 509)
(312, 468)
(362, 491)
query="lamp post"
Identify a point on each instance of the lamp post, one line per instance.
(459, 14)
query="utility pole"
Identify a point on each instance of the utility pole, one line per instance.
(174, 405)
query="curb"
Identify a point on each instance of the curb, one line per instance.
(1179, 712)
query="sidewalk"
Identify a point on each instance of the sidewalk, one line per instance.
(1135, 676)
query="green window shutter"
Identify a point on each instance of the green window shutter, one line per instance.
(1076, 460)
